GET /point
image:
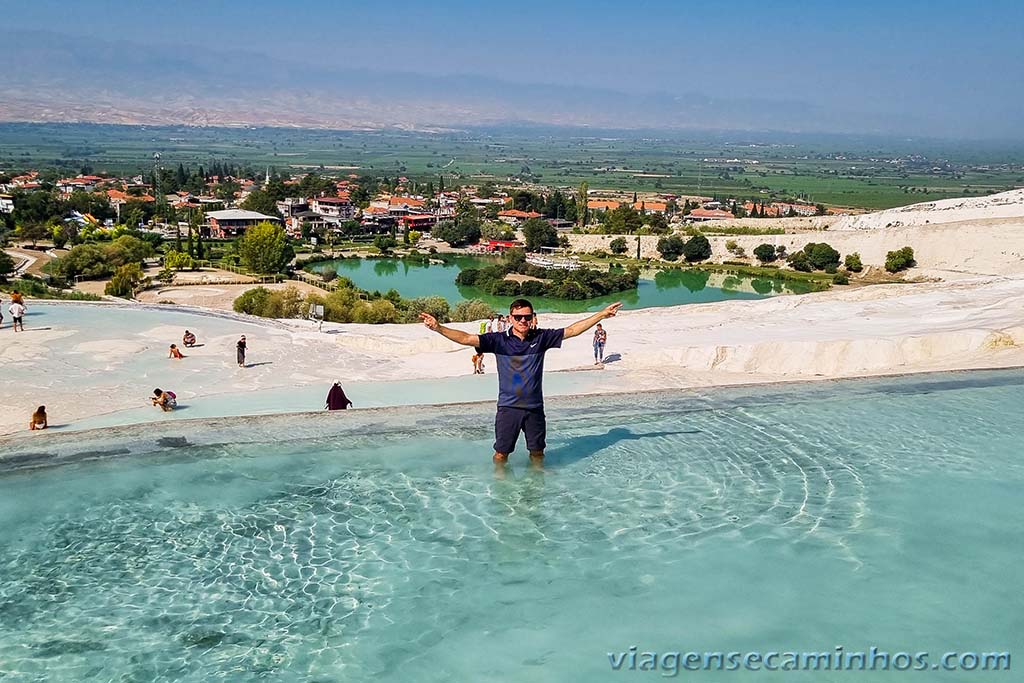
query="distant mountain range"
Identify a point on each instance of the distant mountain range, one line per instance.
(65, 78)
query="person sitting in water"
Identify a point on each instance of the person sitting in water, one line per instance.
(175, 352)
(167, 400)
(38, 420)
(188, 339)
(336, 398)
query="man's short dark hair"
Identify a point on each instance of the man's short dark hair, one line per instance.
(520, 303)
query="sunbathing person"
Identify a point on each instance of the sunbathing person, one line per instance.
(175, 352)
(167, 400)
(38, 420)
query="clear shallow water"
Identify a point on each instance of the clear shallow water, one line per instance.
(381, 547)
(664, 288)
(460, 389)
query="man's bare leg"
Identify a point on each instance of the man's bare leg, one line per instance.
(500, 463)
(537, 460)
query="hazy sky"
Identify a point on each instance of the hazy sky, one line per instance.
(958, 65)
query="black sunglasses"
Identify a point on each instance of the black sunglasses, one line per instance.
(525, 317)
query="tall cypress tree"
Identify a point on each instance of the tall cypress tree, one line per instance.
(581, 204)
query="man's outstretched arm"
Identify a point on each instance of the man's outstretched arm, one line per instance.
(457, 336)
(579, 327)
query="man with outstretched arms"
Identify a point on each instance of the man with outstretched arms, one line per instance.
(519, 352)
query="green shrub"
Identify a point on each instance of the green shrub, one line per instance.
(436, 306)
(31, 287)
(672, 247)
(471, 309)
(853, 263)
(384, 243)
(375, 312)
(765, 253)
(264, 248)
(6, 264)
(697, 248)
(504, 288)
(178, 260)
(822, 256)
(126, 280)
(618, 245)
(252, 301)
(840, 279)
(898, 260)
(531, 288)
(96, 260)
(799, 261)
(284, 303)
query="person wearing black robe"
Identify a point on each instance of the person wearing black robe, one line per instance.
(336, 398)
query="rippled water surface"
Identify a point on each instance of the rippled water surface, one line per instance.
(883, 513)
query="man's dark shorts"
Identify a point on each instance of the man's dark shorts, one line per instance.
(510, 421)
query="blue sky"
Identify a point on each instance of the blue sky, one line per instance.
(960, 65)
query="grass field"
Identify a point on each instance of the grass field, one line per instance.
(838, 171)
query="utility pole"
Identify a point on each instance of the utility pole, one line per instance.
(156, 182)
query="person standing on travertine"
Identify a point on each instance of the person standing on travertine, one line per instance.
(600, 338)
(520, 358)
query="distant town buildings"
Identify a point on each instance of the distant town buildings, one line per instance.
(231, 223)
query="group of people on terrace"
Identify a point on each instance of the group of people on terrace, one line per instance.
(168, 400)
(517, 342)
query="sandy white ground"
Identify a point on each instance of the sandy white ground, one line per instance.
(973, 321)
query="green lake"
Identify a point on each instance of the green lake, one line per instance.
(656, 288)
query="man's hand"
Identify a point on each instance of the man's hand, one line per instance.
(611, 310)
(431, 322)
(457, 336)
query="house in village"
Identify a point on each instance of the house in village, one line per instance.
(515, 216)
(231, 223)
(340, 208)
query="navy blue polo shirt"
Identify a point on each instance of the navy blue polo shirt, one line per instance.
(520, 364)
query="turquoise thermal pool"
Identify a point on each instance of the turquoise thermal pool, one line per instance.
(380, 545)
(660, 288)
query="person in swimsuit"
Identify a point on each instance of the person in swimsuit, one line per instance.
(167, 400)
(175, 352)
(38, 420)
